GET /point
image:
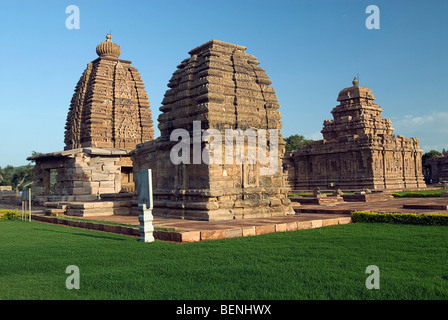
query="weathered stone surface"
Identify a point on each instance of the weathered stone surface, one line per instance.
(304, 225)
(248, 231)
(221, 87)
(233, 233)
(345, 220)
(270, 228)
(316, 223)
(212, 234)
(330, 222)
(191, 236)
(281, 227)
(358, 151)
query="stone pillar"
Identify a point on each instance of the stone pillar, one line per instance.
(145, 205)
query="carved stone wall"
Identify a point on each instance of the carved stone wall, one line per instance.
(358, 151)
(221, 87)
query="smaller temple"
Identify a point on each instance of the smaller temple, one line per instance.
(109, 115)
(358, 150)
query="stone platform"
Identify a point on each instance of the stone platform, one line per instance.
(409, 205)
(306, 217)
(182, 231)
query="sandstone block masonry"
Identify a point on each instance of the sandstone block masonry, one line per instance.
(81, 174)
(222, 87)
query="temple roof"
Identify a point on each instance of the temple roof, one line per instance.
(355, 91)
(110, 107)
(214, 42)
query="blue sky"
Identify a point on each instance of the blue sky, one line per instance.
(310, 49)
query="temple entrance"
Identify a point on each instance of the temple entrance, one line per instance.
(49, 180)
(127, 179)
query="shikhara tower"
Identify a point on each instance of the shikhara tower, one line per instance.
(110, 107)
(222, 87)
(108, 116)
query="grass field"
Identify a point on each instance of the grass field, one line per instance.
(325, 263)
(419, 193)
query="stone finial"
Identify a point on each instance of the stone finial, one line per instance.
(355, 81)
(108, 48)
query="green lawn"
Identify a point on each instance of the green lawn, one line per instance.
(325, 263)
(419, 193)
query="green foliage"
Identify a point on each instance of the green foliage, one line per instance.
(9, 215)
(295, 141)
(419, 194)
(430, 154)
(433, 219)
(19, 178)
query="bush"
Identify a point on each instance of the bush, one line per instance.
(419, 194)
(433, 219)
(9, 215)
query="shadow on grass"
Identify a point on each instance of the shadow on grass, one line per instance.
(104, 235)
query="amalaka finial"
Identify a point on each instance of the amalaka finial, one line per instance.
(108, 48)
(355, 81)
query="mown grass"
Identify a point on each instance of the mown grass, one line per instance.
(325, 263)
(419, 193)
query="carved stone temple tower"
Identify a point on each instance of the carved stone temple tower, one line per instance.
(110, 108)
(108, 116)
(359, 150)
(219, 89)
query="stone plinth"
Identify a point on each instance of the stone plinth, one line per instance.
(321, 199)
(367, 197)
(80, 174)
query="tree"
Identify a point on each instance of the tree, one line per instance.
(6, 175)
(430, 154)
(295, 141)
(23, 177)
(19, 178)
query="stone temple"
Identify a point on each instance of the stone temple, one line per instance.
(109, 115)
(221, 88)
(220, 155)
(358, 150)
(436, 169)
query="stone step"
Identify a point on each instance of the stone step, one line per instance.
(54, 212)
(426, 206)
